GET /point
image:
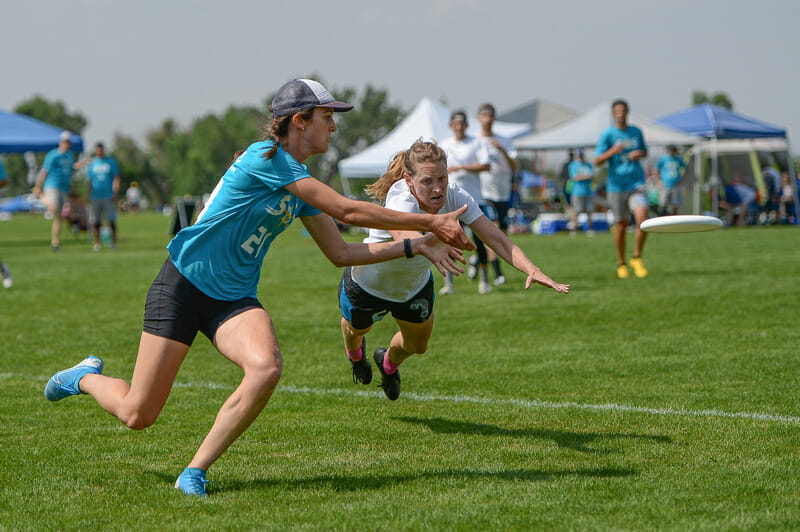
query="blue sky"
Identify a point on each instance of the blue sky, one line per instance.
(127, 66)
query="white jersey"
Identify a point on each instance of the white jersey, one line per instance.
(470, 150)
(496, 183)
(399, 279)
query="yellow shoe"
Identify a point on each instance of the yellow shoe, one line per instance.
(638, 267)
(623, 272)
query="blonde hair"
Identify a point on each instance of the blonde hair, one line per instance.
(406, 162)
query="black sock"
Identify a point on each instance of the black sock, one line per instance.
(496, 267)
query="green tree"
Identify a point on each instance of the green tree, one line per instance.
(718, 98)
(53, 113)
(135, 165)
(192, 161)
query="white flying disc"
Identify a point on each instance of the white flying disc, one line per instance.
(681, 223)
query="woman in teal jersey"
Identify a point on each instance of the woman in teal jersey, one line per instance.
(208, 283)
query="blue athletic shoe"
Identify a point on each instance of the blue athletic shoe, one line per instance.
(192, 482)
(65, 382)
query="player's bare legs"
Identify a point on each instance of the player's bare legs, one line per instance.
(249, 341)
(619, 240)
(352, 336)
(355, 346)
(139, 403)
(412, 338)
(638, 243)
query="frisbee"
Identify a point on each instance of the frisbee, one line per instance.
(681, 223)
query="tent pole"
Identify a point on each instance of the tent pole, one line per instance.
(698, 181)
(793, 181)
(715, 181)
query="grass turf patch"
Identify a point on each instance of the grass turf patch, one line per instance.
(666, 402)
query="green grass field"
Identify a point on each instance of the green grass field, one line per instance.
(664, 403)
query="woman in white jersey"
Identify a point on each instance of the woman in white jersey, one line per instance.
(415, 182)
(208, 283)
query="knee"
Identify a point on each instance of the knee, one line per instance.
(139, 419)
(416, 347)
(264, 373)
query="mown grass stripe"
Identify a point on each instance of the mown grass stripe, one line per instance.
(523, 403)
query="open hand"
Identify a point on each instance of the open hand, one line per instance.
(444, 257)
(539, 277)
(448, 229)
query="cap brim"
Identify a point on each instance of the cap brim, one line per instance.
(338, 107)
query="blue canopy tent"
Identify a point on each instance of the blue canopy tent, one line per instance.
(727, 132)
(713, 121)
(20, 133)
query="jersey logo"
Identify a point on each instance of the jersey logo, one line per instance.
(378, 316)
(284, 210)
(256, 241)
(422, 306)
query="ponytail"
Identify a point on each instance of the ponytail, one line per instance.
(394, 173)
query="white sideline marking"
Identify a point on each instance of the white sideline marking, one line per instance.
(523, 403)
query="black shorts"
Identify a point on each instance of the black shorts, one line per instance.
(177, 310)
(496, 211)
(362, 309)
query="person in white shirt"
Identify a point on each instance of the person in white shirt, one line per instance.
(466, 158)
(416, 182)
(496, 182)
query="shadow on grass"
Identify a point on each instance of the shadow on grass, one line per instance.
(371, 482)
(578, 441)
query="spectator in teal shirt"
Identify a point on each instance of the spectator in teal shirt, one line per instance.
(581, 173)
(670, 170)
(102, 187)
(55, 182)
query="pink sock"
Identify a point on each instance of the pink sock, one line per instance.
(388, 366)
(355, 356)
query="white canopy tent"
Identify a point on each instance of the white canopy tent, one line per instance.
(754, 148)
(429, 120)
(584, 131)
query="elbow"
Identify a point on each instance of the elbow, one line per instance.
(339, 258)
(339, 262)
(346, 213)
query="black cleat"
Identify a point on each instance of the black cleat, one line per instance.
(390, 383)
(362, 370)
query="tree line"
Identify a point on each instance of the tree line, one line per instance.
(176, 161)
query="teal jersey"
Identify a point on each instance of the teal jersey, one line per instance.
(59, 170)
(580, 187)
(670, 170)
(222, 253)
(101, 173)
(623, 174)
(3, 174)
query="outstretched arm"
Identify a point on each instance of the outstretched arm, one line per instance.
(341, 253)
(493, 237)
(365, 214)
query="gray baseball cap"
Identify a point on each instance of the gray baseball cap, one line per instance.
(302, 94)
